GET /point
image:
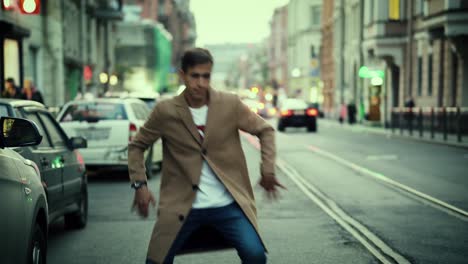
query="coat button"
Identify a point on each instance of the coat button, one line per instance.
(204, 151)
(181, 218)
(194, 187)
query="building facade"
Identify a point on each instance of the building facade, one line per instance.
(278, 48)
(143, 51)
(177, 18)
(418, 46)
(225, 70)
(53, 47)
(304, 39)
(389, 52)
(327, 61)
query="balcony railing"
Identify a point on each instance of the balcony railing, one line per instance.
(431, 121)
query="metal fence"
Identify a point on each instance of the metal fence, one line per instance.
(447, 121)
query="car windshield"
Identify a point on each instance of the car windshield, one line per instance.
(3, 110)
(150, 102)
(94, 111)
(294, 103)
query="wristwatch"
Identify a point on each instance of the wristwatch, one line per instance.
(138, 184)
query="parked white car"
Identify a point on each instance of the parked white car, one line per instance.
(108, 124)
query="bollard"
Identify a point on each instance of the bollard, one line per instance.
(410, 120)
(400, 122)
(444, 122)
(459, 124)
(392, 121)
(420, 121)
(432, 122)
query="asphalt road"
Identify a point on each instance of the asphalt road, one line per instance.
(332, 212)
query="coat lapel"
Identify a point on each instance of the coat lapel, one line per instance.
(213, 108)
(186, 117)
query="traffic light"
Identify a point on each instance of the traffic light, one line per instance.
(26, 7)
(8, 4)
(30, 7)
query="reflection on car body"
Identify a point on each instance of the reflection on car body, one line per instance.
(62, 169)
(24, 210)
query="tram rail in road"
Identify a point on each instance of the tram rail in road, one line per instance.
(369, 240)
(422, 197)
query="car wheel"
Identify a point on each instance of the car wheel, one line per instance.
(149, 164)
(38, 246)
(281, 127)
(78, 219)
(312, 128)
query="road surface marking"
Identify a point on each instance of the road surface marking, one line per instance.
(434, 202)
(369, 240)
(382, 157)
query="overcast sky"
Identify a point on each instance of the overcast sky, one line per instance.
(233, 21)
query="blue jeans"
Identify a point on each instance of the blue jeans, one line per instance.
(231, 223)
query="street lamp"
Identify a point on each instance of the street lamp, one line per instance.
(103, 77)
(113, 80)
(296, 72)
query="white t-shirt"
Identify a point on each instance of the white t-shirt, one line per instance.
(211, 192)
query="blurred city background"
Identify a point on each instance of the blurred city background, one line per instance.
(369, 99)
(377, 55)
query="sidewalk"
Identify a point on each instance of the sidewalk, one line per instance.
(359, 128)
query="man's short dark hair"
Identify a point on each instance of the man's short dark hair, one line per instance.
(10, 80)
(195, 56)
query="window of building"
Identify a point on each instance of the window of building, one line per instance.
(371, 12)
(420, 76)
(429, 75)
(11, 65)
(394, 9)
(315, 15)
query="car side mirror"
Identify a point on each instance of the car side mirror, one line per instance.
(78, 142)
(18, 132)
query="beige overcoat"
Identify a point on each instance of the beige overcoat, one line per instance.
(183, 152)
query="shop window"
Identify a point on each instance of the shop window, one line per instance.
(11, 64)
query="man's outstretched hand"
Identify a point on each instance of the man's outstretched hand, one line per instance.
(271, 185)
(142, 200)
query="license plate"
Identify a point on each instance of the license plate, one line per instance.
(299, 112)
(94, 134)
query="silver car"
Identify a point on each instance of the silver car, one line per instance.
(23, 204)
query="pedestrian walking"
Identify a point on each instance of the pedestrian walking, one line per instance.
(30, 92)
(351, 110)
(11, 90)
(204, 181)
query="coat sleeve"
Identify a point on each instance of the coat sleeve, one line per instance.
(146, 136)
(252, 123)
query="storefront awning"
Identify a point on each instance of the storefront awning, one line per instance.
(11, 30)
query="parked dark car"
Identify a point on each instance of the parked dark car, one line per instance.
(23, 203)
(61, 166)
(296, 113)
